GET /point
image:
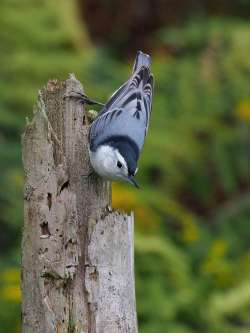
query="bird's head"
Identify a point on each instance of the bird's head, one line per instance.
(125, 167)
(126, 157)
(115, 163)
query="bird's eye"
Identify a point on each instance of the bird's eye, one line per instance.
(119, 164)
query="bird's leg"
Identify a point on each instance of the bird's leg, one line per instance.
(82, 98)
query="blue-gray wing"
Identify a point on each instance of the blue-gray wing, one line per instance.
(127, 112)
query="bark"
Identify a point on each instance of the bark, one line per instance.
(77, 253)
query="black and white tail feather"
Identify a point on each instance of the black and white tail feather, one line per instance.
(128, 110)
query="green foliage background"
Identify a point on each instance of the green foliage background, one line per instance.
(192, 248)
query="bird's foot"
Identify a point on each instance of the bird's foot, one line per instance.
(89, 115)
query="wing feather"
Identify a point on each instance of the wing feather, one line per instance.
(133, 98)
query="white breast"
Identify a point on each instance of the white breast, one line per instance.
(104, 161)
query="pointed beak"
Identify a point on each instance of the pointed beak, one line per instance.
(133, 181)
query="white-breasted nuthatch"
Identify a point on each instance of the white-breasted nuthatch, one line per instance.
(117, 134)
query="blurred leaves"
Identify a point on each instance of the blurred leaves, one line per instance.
(242, 111)
(10, 298)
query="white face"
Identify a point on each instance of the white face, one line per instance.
(109, 163)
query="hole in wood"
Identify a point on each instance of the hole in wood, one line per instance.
(49, 200)
(65, 185)
(94, 275)
(68, 242)
(45, 229)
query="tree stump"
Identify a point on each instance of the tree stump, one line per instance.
(77, 253)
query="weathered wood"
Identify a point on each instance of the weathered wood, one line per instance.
(77, 254)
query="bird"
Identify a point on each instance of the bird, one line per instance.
(117, 134)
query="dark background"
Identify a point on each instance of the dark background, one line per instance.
(192, 248)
